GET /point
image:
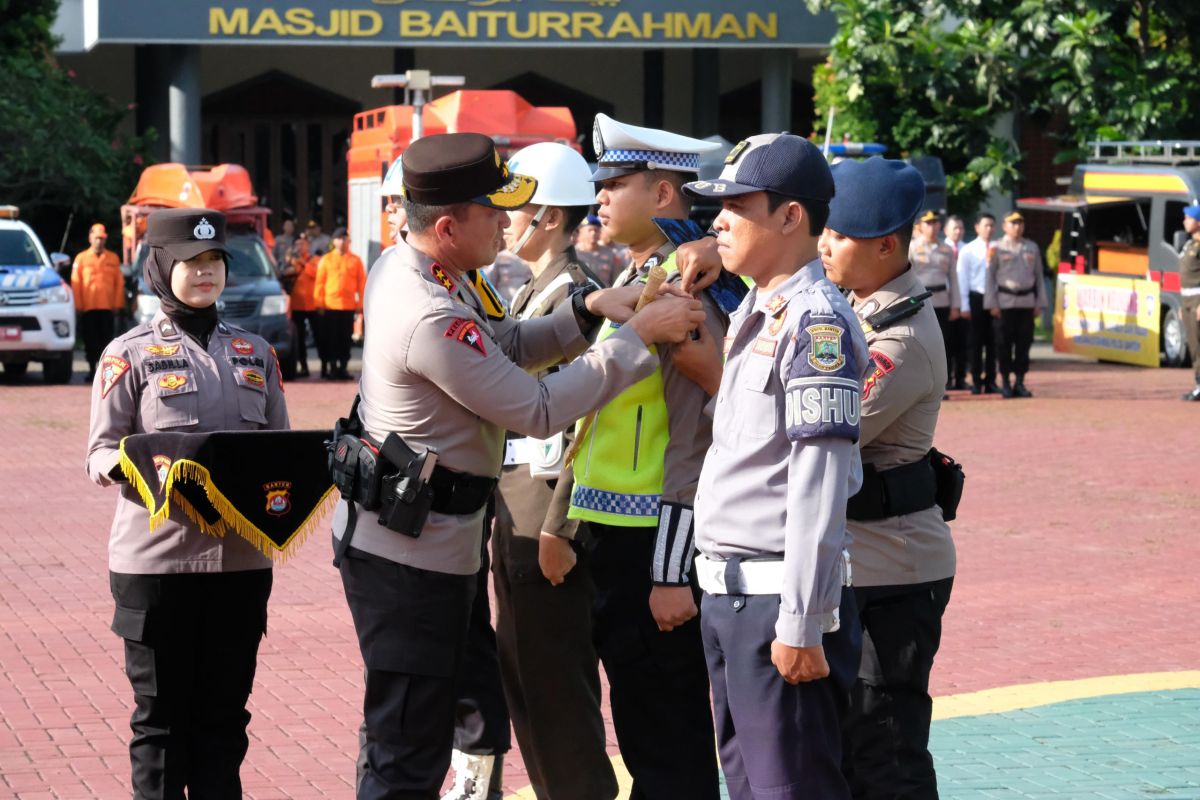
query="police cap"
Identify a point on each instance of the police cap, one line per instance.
(623, 149)
(875, 197)
(451, 168)
(186, 232)
(930, 216)
(783, 163)
(1192, 211)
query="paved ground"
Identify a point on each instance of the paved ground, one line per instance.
(1077, 560)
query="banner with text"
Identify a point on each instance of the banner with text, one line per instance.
(1113, 319)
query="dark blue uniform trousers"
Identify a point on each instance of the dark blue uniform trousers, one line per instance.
(777, 740)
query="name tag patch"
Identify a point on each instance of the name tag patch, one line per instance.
(154, 365)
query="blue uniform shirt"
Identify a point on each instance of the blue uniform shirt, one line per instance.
(784, 457)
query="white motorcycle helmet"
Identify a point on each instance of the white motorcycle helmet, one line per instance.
(563, 176)
(393, 181)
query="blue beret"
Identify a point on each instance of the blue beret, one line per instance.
(1192, 211)
(875, 197)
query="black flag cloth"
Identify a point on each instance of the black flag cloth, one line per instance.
(272, 488)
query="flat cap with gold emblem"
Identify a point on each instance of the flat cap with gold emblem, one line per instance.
(929, 216)
(1014, 216)
(623, 149)
(186, 232)
(459, 168)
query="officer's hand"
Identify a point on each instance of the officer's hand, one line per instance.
(964, 315)
(799, 664)
(996, 313)
(556, 557)
(615, 304)
(1198, 313)
(671, 606)
(954, 314)
(699, 264)
(667, 319)
(700, 360)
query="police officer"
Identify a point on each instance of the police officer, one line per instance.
(439, 372)
(936, 268)
(780, 630)
(634, 483)
(543, 587)
(902, 551)
(1189, 282)
(190, 607)
(1015, 294)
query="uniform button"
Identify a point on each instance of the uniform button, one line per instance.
(737, 603)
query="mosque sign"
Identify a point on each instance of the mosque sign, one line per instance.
(449, 23)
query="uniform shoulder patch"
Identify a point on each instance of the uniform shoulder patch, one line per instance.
(824, 390)
(882, 366)
(493, 306)
(467, 332)
(439, 274)
(111, 370)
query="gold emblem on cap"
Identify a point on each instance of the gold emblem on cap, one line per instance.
(737, 151)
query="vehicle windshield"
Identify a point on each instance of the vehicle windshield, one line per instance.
(248, 260)
(18, 250)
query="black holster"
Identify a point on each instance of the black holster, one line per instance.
(908, 488)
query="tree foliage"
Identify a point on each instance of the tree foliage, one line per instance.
(934, 78)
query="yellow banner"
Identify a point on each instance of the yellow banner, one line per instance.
(1112, 319)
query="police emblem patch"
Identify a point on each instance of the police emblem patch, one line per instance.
(467, 332)
(883, 365)
(242, 346)
(254, 377)
(204, 229)
(775, 303)
(777, 323)
(162, 349)
(111, 370)
(162, 466)
(439, 275)
(279, 497)
(825, 347)
(172, 381)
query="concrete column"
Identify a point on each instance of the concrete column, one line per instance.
(653, 70)
(777, 90)
(183, 100)
(150, 95)
(706, 91)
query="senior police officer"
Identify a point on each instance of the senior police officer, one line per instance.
(1015, 294)
(902, 551)
(439, 372)
(781, 632)
(1189, 282)
(936, 268)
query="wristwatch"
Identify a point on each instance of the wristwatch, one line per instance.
(587, 320)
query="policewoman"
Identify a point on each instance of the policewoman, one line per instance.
(902, 551)
(781, 634)
(191, 607)
(445, 368)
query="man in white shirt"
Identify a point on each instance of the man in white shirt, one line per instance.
(973, 262)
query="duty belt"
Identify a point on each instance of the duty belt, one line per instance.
(940, 288)
(1016, 292)
(756, 576)
(894, 492)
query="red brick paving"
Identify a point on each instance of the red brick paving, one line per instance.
(1077, 558)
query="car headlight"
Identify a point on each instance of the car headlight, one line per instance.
(55, 294)
(274, 305)
(147, 306)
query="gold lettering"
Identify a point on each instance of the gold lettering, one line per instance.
(555, 21)
(589, 21)
(268, 19)
(334, 26)
(667, 25)
(492, 18)
(234, 23)
(697, 27)
(415, 24)
(449, 22)
(365, 23)
(515, 31)
(769, 28)
(728, 25)
(300, 21)
(623, 23)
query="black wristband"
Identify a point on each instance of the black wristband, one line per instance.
(587, 320)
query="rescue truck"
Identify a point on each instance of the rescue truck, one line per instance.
(253, 298)
(1122, 219)
(379, 136)
(37, 308)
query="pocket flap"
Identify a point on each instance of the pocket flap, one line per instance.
(757, 373)
(129, 623)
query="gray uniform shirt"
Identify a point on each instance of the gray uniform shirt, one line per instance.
(438, 371)
(156, 379)
(1016, 266)
(902, 396)
(783, 461)
(937, 269)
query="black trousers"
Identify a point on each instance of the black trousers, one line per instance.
(304, 320)
(956, 350)
(947, 328)
(412, 631)
(551, 670)
(98, 330)
(1191, 329)
(1014, 337)
(338, 332)
(191, 648)
(777, 741)
(658, 682)
(982, 342)
(886, 735)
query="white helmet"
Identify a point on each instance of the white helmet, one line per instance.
(393, 181)
(564, 178)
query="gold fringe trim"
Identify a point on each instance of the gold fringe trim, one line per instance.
(130, 470)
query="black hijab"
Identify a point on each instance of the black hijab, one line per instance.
(195, 322)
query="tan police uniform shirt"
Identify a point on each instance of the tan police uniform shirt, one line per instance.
(156, 379)
(901, 399)
(1017, 267)
(525, 498)
(441, 371)
(936, 268)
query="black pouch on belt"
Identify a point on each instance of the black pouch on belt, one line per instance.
(406, 495)
(894, 492)
(950, 481)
